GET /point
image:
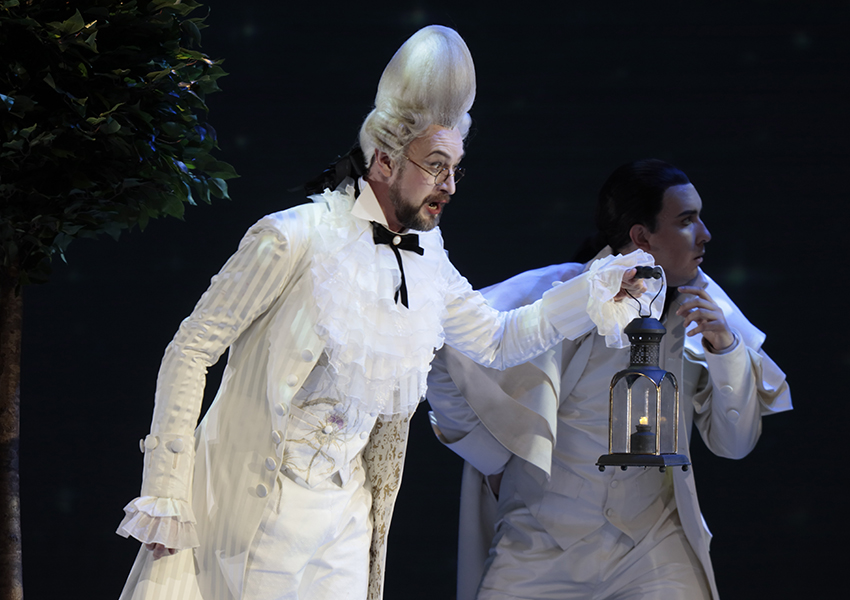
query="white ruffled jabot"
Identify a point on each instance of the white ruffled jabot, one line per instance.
(379, 352)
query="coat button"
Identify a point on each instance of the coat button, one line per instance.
(292, 380)
(364, 435)
(396, 240)
(726, 390)
(614, 484)
(306, 356)
(177, 446)
(151, 442)
(733, 416)
(277, 437)
(262, 490)
(271, 464)
(280, 409)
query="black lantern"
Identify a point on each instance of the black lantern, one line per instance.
(643, 420)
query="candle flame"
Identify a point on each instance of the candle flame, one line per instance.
(644, 421)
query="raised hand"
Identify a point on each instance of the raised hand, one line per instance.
(709, 319)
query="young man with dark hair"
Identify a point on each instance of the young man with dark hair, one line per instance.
(534, 505)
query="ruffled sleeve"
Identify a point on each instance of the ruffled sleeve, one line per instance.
(165, 521)
(604, 281)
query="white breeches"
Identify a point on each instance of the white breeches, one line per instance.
(312, 544)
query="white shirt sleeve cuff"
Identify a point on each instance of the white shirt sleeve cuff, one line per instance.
(576, 306)
(163, 521)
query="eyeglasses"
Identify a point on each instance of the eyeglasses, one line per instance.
(441, 176)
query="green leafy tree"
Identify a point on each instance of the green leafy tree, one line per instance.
(103, 128)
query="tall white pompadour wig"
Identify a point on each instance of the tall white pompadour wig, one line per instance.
(429, 81)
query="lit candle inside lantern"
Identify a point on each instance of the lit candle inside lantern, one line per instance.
(643, 440)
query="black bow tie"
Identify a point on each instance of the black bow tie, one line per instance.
(396, 241)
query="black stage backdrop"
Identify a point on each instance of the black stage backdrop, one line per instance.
(748, 97)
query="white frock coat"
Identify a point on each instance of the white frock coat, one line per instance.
(261, 306)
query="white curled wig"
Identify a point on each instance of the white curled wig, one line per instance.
(429, 81)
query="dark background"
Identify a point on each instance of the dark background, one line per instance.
(749, 98)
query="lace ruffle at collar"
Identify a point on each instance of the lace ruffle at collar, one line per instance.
(379, 352)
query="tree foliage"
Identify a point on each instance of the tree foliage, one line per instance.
(103, 122)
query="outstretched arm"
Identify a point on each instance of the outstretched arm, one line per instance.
(568, 310)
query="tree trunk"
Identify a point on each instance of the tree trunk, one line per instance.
(11, 311)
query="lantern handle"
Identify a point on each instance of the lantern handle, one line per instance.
(646, 272)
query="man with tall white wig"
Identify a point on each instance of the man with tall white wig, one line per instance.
(332, 312)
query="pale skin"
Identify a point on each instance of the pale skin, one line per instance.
(159, 550)
(417, 193)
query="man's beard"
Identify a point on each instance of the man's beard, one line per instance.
(410, 215)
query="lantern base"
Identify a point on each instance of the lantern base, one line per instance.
(625, 460)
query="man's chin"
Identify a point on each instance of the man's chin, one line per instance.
(680, 279)
(423, 222)
(432, 222)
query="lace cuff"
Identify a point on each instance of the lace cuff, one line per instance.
(163, 521)
(604, 279)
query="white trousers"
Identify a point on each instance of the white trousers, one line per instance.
(526, 563)
(312, 544)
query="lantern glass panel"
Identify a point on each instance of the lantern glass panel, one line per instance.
(644, 415)
(634, 401)
(619, 415)
(668, 414)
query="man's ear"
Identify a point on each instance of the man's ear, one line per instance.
(639, 234)
(384, 164)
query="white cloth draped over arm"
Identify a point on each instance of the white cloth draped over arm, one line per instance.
(457, 426)
(244, 288)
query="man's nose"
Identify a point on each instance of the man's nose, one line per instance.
(449, 184)
(705, 236)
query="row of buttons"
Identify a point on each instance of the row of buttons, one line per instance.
(152, 441)
(281, 410)
(292, 380)
(270, 462)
